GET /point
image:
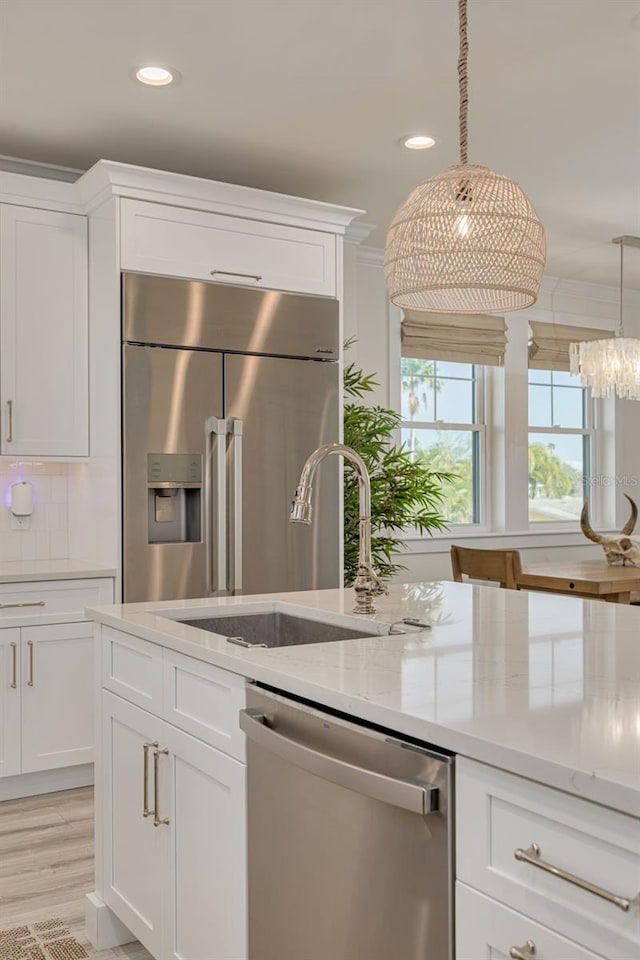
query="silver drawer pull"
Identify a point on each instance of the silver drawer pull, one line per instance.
(524, 952)
(11, 606)
(10, 430)
(14, 665)
(30, 646)
(157, 819)
(532, 855)
(146, 812)
(234, 273)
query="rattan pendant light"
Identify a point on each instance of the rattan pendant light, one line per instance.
(611, 366)
(466, 240)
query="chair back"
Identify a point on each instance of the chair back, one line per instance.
(501, 566)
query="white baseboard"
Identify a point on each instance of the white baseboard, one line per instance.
(46, 781)
(102, 927)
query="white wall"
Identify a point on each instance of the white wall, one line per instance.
(377, 350)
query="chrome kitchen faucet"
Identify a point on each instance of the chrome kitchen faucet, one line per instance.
(367, 584)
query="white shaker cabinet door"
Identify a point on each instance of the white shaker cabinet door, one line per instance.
(43, 332)
(57, 696)
(9, 702)
(135, 851)
(487, 930)
(206, 807)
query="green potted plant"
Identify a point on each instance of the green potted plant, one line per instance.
(404, 492)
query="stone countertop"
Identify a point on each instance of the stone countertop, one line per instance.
(545, 686)
(20, 571)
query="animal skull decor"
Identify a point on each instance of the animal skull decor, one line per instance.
(619, 551)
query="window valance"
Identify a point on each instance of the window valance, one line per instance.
(457, 337)
(549, 346)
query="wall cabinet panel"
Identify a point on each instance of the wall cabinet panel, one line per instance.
(44, 376)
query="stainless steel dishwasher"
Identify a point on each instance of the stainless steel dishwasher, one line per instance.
(350, 839)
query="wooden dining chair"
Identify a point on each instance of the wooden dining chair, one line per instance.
(502, 566)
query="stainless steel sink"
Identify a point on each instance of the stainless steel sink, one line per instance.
(276, 629)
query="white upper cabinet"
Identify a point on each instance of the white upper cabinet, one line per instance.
(44, 376)
(173, 241)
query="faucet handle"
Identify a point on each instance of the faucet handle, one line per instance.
(380, 589)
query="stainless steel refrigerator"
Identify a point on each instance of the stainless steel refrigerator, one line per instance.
(227, 390)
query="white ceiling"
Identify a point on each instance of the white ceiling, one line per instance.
(310, 97)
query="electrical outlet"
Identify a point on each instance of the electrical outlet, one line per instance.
(20, 523)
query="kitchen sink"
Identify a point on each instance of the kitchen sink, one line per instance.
(276, 629)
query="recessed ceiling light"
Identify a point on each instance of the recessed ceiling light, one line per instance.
(418, 142)
(155, 76)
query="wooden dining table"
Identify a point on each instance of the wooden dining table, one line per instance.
(595, 580)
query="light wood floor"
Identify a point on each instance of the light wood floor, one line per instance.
(46, 863)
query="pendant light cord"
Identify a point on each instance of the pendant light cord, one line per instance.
(620, 324)
(462, 79)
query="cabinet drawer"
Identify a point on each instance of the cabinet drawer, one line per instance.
(485, 928)
(204, 701)
(132, 668)
(190, 243)
(51, 600)
(498, 813)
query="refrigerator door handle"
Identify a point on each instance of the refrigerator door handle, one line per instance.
(235, 428)
(215, 517)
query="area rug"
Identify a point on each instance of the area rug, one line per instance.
(45, 940)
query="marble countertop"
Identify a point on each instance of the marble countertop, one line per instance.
(545, 686)
(18, 571)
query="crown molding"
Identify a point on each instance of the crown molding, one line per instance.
(370, 256)
(196, 193)
(28, 191)
(556, 287)
(33, 168)
(358, 231)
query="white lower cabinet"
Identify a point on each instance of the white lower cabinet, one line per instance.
(10, 688)
(175, 837)
(535, 863)
(46, 701)
(57, 696)
(487, 930)
(135, 850)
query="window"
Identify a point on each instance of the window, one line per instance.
(442, 423)
(560, 445)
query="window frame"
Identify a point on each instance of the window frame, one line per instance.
(506, 523)
(586, 431)
(479, 440)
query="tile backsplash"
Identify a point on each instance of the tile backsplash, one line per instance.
(47, 537)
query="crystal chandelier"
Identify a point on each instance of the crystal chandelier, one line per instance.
(611, 366)
(466, 240)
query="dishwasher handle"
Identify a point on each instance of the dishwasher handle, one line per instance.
(414, 797)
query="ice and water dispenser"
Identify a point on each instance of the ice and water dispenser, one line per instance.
(174, 484)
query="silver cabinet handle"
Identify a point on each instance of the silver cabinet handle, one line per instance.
(146, 812)
(234, 273)
(532, 855)
(14, 664)
(416, 798)
(524, 952)
(34, 603)
(10, 427)
(216, 504)
(235, 431)
(157, 820)
(30, 646)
